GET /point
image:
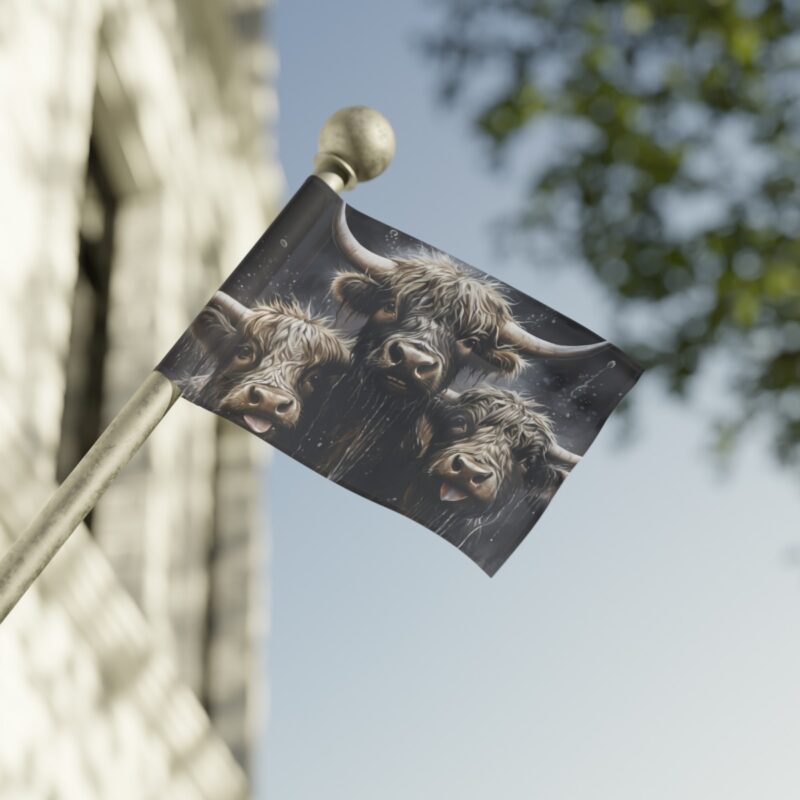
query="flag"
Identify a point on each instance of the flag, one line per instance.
(401, 373)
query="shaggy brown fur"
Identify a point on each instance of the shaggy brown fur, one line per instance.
(434, 286)
(293, 337)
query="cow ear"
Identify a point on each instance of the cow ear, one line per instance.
(357, 291)
(435, 417)
(213, 329)
(504, 360)
(544, 478)
(423, 435)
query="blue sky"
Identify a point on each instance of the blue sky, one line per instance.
(642, 642)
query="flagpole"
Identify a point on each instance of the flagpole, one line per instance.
(356, 144)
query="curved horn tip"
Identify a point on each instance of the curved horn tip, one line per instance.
(513, 333)
(237, 310)
(359, 256)
(595, 347)
(559, 453)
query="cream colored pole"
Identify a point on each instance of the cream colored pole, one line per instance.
(356, 144)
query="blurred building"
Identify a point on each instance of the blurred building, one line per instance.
(136, 169)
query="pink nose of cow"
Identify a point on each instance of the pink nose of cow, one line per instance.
(478, 479)
(275, 403)
(415, 363)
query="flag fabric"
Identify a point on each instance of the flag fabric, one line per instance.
(401, 373)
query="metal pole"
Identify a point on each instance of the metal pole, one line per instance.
(356, 144)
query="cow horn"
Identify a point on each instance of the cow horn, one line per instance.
(558, 453)
(368, 262)
(451, 394)
(233, 309)
(512, 333)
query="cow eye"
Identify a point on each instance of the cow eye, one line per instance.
(531, 465)
(458, 425)
(471, 343)
(387, 312)
(527, 465)
(312, 379)
(244, 352)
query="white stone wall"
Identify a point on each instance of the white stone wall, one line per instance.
(105, 665)
(92, 707)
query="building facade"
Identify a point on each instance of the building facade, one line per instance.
(136, 169)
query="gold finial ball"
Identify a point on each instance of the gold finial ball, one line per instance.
(360, 136)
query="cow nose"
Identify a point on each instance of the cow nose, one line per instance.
(470, 470)
(415, 360)
(396, 353)
(273, 401)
